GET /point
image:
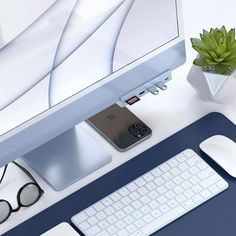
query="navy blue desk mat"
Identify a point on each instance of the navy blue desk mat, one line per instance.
(216, 217)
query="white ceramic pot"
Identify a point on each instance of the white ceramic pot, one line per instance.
(213, 87)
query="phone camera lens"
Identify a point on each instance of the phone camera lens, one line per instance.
(144, 131)
(135, 132)
(139, 126)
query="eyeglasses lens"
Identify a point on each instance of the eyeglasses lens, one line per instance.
(29, 195)
(4, 211)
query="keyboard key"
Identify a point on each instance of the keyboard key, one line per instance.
(137, 214)
(175, 171)
(118, 205)
(90, 211)
(206, 193)
(209, 181)
(112, 219)
(112, 229)
(120, 224)
(154, 204)
(107, 201)
(183, 166)
(129, 219)
(103, 233)
(194, 180)
(132, 187)
(99, 206)
(134, 196)
(197, 199)
(159, 181)
(93, 220)
(222, 184)
(180, 158)
(181, 198)
(193, 161)
(156, 213)
(123, 232)
(137, 233)
(103, 224)
(186, 185)
(80, 217)
(120, 214)
(178, 180)
(101, 215)
(148, 177)
(167, 176)
(161, 190)
(131, 228)
(169, 185)
(186, 175)
(178, 190)
(143, 191)
(162, 199)
(145, 199)
(140, 182)
(126, 201)
(173, 203)
(109, 211)
(188, 204)
(153, 194)
(205, 173)
(93, 230)
(214, 189)
(197, 188)
(164, 167)
(123, 192)
(170, 194)
(189, 193)
(128, 209)
(139, 223)
(202, 165)
(84, 225)
(156, 172)
(137, 204)
(115, 197)
(148, 218)
(194, 170)
(164, 208)
(150, 186)
(189, 153)
(172, 162)
(145, 209)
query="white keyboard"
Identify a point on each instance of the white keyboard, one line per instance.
(153, 200)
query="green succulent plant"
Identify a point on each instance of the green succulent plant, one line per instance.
(216, 50)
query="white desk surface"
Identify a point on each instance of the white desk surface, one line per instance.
(165, 114)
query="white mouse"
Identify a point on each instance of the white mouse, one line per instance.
(223, 151)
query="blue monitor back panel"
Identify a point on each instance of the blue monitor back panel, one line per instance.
(215, 217)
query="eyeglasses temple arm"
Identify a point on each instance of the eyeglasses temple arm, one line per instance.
(26, 172)
(4, 172)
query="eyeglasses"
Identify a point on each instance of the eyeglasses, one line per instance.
(27, 196)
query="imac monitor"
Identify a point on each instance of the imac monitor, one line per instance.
(62, 61)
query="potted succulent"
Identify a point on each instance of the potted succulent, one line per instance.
(213, 73)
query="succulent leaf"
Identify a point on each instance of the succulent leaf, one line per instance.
(200, 62)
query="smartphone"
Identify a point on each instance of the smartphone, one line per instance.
(120, 127)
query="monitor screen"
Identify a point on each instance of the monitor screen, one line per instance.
(71, 46)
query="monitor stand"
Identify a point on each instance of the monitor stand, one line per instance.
(67, 158)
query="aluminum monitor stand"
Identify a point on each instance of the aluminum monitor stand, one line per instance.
(74, 154)
(67, 158)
